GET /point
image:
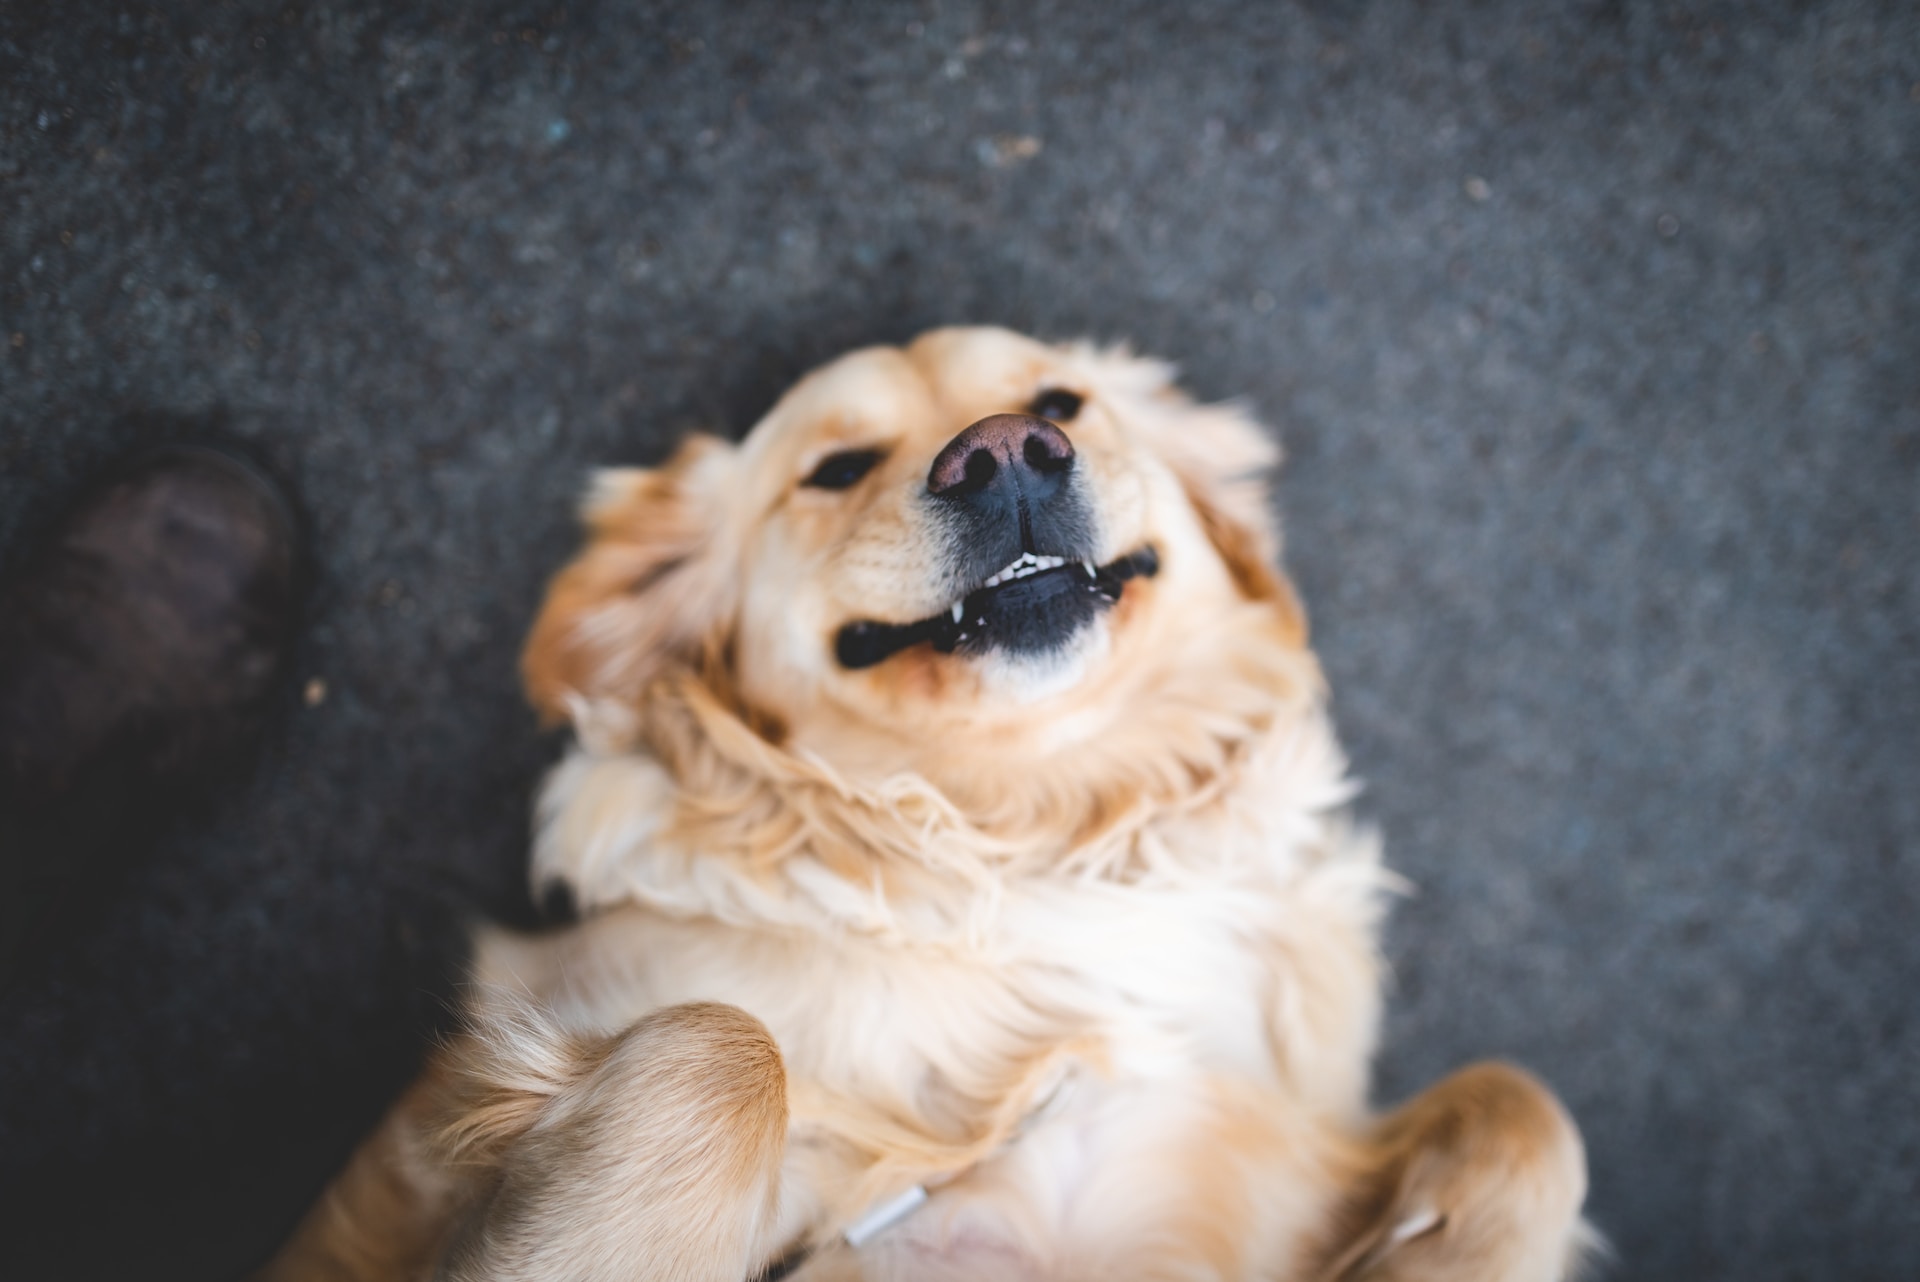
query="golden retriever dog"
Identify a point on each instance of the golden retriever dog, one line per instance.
(966, 883)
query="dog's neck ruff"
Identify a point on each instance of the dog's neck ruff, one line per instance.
(675, 801)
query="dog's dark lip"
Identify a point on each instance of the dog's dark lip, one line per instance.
(865, 642)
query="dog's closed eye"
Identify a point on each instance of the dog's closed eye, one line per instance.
(1056, 404)
(842, 469)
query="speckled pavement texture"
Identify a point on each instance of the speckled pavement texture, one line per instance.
(1592, 333)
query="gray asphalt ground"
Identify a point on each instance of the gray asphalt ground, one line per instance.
(1592, 332)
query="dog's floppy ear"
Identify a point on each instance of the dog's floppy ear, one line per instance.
(653, 582)
(1225, 462)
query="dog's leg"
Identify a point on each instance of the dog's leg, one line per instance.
(1477, 1179)
(651, 1154)
(384, 1218)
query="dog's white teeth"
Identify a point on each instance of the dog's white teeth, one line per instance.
(959, 608)
(1027, 565)
(1088, 567)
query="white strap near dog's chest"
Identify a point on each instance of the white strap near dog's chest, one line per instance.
(884, 1216)
(871, 1223)
(877, 1220)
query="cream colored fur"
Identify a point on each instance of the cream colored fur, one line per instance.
(1088, 949)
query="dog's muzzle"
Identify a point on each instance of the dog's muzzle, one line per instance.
(1020, 539)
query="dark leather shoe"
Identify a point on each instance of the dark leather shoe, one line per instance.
(139, 650)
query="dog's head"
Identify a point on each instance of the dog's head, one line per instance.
(976, 543)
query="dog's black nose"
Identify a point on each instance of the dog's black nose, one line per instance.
(1003, 459)
(1006, 486)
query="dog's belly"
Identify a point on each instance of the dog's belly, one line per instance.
(1170, 992)
(1178, 1130)
(1171, 1179)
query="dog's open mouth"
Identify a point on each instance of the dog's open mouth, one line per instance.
(1035, 604)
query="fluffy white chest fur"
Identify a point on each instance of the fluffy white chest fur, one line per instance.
(1081, 1037)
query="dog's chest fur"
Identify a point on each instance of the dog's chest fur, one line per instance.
(1020, 1035)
